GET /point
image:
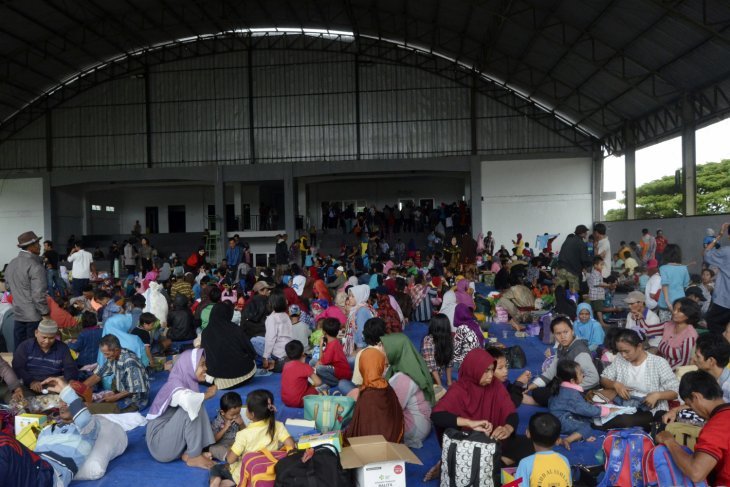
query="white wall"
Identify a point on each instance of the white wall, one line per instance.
(21, 210)
(130, 206)
(382, 191)
(535, 196)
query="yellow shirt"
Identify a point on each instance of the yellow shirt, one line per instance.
(253, 438)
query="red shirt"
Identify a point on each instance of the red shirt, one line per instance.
(715, 441)
(294, 384)
(334, 355)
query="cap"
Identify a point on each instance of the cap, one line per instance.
(635, 297)
(48, 327)
(294, 310)
(262, 285)
(340, 268)
(695, 291)
(652, 264)
(27, 238)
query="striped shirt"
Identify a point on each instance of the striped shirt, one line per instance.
(676, 347)
(424, 310)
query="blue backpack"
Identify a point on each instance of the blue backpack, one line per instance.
(624, 451)
(661, 471)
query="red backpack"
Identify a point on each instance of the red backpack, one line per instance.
(625, 451)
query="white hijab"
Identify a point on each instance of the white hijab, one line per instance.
(298, 284)
(448, 307)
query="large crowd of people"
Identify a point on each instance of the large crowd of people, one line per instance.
(325, 322)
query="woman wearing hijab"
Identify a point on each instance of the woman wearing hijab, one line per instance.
(393, 321)
(253, 316)
(359, 311)
(468, 333)
(231, 357)
(479, 402)
(463, 296)
(320, 291)
(120, 325)
(178, 425)
(377, 411)
(587, 328)
(448, 308)
(409, 377)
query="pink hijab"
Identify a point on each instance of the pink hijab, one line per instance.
(462, 294)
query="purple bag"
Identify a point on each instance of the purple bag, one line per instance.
(545, 332)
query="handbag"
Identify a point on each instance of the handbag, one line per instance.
(469, 459)
(328, 412)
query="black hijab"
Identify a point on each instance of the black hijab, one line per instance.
(228, 351)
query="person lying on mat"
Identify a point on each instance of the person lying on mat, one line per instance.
(61, 448)
(711, 457)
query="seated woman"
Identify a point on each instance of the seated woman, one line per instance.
(468, 333)
(569, 348)
(437, 348)
(409, 377)
(640, 379)
(680, 336)
(448, 308)
(519, 301)
(359, 311)
(178, 425)
(231, 357)
(643, 319)
(478, 402)
(377, 411)
(587, 328)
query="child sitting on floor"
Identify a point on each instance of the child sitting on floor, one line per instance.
(333, 364)
(264, 433)
(87, 343)
(226, 424)
(569, 406)
(300, 330)
(297, 376)
(551, 468)
(501, 370)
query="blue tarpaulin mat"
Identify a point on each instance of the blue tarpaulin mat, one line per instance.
(136, 467)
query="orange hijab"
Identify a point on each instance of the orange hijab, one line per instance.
(321, 291)
(372, 368)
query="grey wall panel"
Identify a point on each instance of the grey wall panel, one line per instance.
(27, 150)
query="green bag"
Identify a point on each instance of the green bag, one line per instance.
(328, 412)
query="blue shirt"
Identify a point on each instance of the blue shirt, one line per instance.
(30, 363)
(233, 256)
(676, 278)
(87, 345)
(720, 258)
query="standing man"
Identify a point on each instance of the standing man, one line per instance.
(602, 248)
(489, 243)
(234, 254)
(282, 255)
(653, 285)
(718, 315)
(130, 258)
(573, 258)
(83, 266)
(50, 257)
(28, 284)
(648, 246)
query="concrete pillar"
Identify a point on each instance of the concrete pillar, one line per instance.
(689, 158)
(476, 199)
(238, 204)
(597, 182)
(302, 201)
(219, 197)
(289, 209)
(630, 164)
(47, 204)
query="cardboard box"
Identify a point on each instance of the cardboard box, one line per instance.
(300, 427)
(23, 420)
(333, 438)
(28, 436)
(378, 462)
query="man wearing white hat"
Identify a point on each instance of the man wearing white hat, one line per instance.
(26, 277)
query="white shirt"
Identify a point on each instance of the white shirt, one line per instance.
(652, 286)
(81, 261)
(604, 250)
(636, 380)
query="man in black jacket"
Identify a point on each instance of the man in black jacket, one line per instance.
(282, 255)
(573, 258)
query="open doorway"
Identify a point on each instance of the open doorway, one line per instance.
(176, 218)
(152, 219)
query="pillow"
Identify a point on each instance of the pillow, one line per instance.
(110, 443)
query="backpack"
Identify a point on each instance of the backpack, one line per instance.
(685, 434)
(660, 470)
(624, 451)
(469, 459)
(257, 468)
(322, 469)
